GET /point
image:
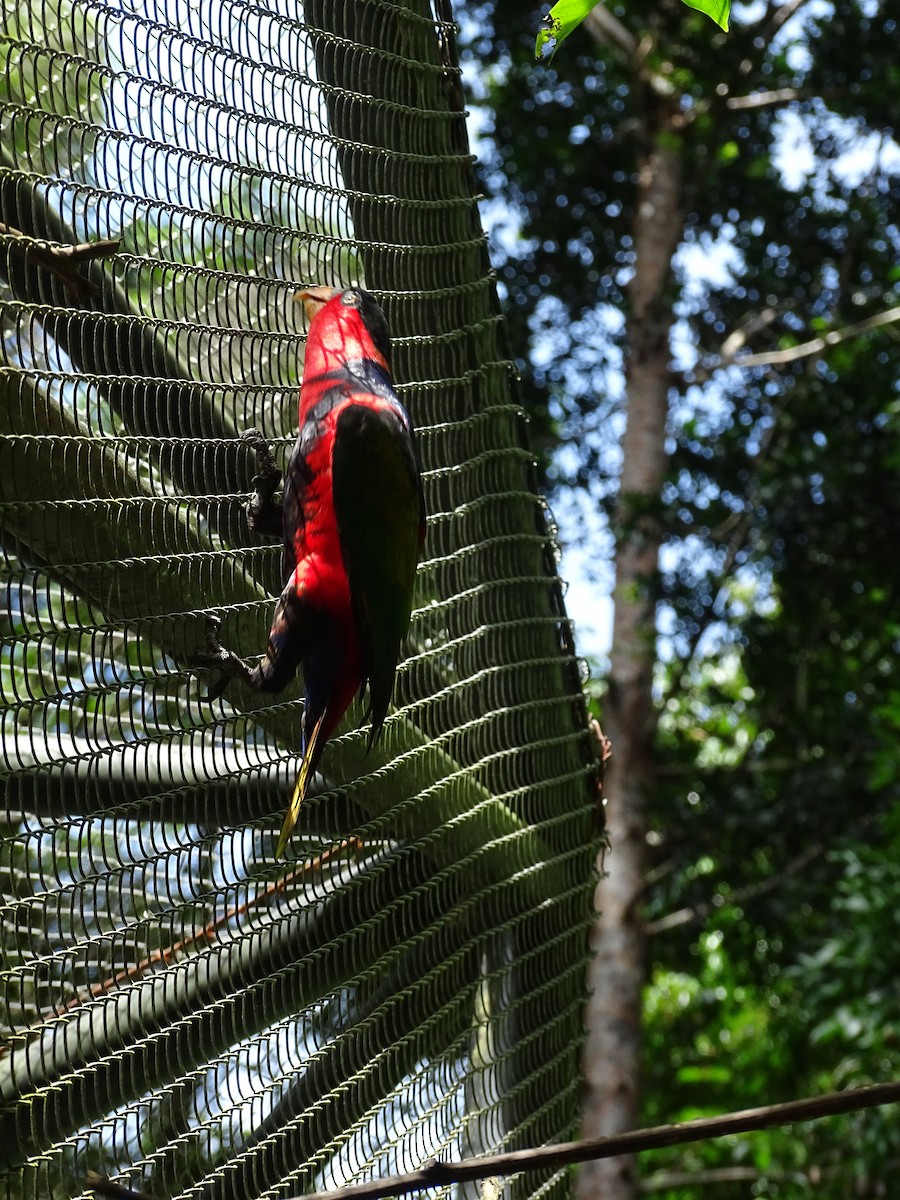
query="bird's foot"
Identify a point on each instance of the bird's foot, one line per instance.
(269, 475)
(262, 511)
(219, 659)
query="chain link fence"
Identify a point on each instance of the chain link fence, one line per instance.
(181, 1010)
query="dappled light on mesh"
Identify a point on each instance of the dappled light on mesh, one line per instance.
(181, 1010)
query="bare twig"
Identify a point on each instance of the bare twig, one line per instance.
(740, 532)
(762, 887)
(772, 20)
(784, 13)
(778, 358)
(206, 933)
(63, 260)
(607, 30)
(751, 766)
(563, 1154)
(604, 26)
(753, 891)
(766, 99)
(664, 1180)
(107, 1187)
(752, 324)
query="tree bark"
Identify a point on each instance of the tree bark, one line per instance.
(616, 975)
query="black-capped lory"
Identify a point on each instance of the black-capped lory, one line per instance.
(353, 523)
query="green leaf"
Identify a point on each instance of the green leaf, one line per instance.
(567, 15)
(559, 22)
(716, 10)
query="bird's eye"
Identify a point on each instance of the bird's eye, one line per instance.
(350, 298)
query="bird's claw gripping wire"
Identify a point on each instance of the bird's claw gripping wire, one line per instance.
(262, 511)
(229, 664)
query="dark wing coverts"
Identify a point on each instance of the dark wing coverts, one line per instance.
(380, 512)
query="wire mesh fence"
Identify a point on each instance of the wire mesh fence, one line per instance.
(182, 1010)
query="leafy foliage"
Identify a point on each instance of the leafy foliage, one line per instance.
(779, 584)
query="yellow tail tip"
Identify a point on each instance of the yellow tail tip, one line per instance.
(299, 792)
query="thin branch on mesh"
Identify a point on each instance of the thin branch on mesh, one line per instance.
(438, 1174)
(63, 261)
(108, 1187)
(166, 954)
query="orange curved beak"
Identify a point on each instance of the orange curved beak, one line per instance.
(315, 298)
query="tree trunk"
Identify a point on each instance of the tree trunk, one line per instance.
(616, 976)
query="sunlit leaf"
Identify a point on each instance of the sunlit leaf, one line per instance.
(716, 10)
(567, 15)
(559, 22)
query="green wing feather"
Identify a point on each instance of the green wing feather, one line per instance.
(379, 508)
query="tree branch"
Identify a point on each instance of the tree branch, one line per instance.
(778, 358)
(740, 534)
(62, 260)
(607, 30)
(684, 916)
(766, 99)
(207, 933)
(775, 16)
(563, 1154)
(761, 887)
(753, 323)
(115, 1191)
(605, 27)
(692, 1179)
(752, 766)
(784, 13)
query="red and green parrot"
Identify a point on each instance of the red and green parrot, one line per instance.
(353, 523)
